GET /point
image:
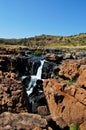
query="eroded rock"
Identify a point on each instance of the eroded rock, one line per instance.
(82, 77)
(53, 57)
(65, 108)
(70, 69)
(24, 121)
(13, 96)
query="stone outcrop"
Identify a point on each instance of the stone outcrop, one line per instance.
(82, 79)
(22, 121)
(82, 76)
(69, 69)
(47, 69)
(67, 105)
(13, 96)
(58, 102)
(53, 57)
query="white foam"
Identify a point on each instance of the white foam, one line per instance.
(34, 78)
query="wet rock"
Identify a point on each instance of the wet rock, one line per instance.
(36, 100)
(33, 65)
(47, 69)
(4, 63)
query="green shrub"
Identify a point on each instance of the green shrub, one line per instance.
(74, 127)
(37, 52)
(71, 81)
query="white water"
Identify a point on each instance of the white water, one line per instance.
(34, 78)
(39, 72)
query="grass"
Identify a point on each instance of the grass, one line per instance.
(70, 81)
(74, 127)
(53, 46)
(12, 46)
(49, 41)
(37, 52)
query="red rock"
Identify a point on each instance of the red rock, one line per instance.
(82, 79)
(51, 56)
(63, 105)
(83, 126)
(82, 68)
(13, 96)
(69, 69)
(78, 93)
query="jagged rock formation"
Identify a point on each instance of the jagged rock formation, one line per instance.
(67, 104)
(63, 98)
(70, 69)
(13, 97)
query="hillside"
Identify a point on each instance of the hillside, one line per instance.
(45, 41)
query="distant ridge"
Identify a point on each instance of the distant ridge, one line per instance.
(45, 40)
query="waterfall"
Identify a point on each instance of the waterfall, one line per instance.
(39, 71)
(34, 78)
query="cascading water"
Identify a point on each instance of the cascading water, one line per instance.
(39, 72)
(34, 83)
(34, 78)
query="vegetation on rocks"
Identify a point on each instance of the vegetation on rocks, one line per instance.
(74, 127)
(37, 52)
(61, 105)
(48, 41)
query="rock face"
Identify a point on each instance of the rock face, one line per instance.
(67, 105)
(57, 102)
(53, 57)
(13, 96)
(47, 69)
(22, 121)
(69, 69)
(82, 76)
(83, 126)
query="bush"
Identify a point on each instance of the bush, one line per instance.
(74, 127)
(37, 52)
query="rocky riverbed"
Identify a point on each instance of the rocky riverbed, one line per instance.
(57, 99)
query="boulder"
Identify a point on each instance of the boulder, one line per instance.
(53, 57)
(47, 69)
(13, 96)
(22, 121)
(67, 55)
(42, 110)
(63, 104)
(77, 92)
(69, 69)
(82, 76)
